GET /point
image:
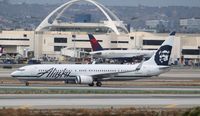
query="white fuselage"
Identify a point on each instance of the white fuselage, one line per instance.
(122, 53)
(64, 72)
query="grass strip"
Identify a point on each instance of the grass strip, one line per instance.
(100, 112)
(93, 91)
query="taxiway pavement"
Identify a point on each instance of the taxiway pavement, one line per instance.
(102, 88)
(107, 100)
(99, 101)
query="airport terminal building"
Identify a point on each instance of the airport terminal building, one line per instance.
(52, 43)
(56, 38)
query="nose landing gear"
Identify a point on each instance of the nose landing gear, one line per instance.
(27, 83)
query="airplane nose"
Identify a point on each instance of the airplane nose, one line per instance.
(13, 74)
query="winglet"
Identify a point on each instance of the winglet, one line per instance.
(139, 66)
(173, 33)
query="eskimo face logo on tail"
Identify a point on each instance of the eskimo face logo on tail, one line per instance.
(163, 55)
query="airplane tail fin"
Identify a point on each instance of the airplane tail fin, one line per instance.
(162, 56)
(94, 43)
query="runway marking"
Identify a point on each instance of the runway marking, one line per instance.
(171, 106)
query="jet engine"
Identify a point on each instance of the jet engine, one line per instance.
(84, 80)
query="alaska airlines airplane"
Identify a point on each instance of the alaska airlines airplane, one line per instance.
(90, 73)
(99, 52)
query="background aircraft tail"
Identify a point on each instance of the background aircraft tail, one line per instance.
(162, 55)
(94, 43)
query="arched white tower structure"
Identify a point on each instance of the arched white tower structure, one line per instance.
(113, 22)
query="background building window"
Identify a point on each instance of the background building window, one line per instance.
(132, 38)
(78, 40)
(25, 35)
(152, 42)
(60, 40)
(119, 42)
(58, 48)
(190, 52)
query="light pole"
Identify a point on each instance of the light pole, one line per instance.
(74, 46)
(199, 57)
(73, 36)
(135, 19)
(136, 39)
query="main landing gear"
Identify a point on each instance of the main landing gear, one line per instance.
(27, 83)
(98, 84)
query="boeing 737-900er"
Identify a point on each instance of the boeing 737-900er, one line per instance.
(90, 73)
(99, 52)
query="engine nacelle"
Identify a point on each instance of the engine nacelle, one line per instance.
(71, 81)
(84, 80)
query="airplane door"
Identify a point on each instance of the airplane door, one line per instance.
(33, 70)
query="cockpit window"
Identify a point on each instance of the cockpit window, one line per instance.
(20, 69)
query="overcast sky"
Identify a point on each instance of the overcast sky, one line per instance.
(125, 2)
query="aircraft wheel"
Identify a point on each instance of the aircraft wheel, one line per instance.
(91, 84)
(27, 83)
(98, 84)
(66, 82)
